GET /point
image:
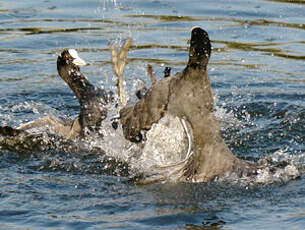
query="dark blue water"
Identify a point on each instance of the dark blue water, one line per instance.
(257, 75)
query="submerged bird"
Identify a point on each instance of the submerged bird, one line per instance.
(92, 100)
(188, 97)
(95, 106)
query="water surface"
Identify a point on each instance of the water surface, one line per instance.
(257, 75)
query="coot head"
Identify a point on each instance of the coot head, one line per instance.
(68, 62)
(200, 47)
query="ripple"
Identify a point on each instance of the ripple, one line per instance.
(12, 213)
(257, 70)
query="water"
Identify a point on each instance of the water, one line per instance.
(257, 78)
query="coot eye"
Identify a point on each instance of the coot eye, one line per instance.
(66, 57)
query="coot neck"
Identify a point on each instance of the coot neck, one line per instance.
(76, 81)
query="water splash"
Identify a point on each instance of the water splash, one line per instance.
(30, 110)
(162, 155)
(280, 167)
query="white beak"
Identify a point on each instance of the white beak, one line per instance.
(76, 59)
